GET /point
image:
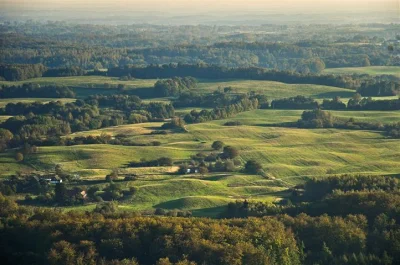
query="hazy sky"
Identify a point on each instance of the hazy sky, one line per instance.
(198, 6)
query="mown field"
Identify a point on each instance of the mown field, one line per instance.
(288, 155)
(89, 85)
(370, 70)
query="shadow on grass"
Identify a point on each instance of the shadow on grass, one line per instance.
(213, 212)
(342, 94)
(216, 178)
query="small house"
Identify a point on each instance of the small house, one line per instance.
(192, 170)
(55, 180)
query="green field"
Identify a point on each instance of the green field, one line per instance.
(370, 70)
(285, 152)
(275, 89)
(271, 89)
(288, 155)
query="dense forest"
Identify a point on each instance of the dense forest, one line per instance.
(343, 220)
(306, 49)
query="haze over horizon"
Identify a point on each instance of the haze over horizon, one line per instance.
(151, 11)
(206, 5)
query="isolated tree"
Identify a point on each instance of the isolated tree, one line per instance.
(217, 145)
(230, 152)
(19, 157)
(253, 167)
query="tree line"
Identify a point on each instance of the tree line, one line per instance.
(17, 72)
(323, 119)
(220, 72)
(95, 46)
(243, 103)
(33, 122)
(174, 86)
(181, 77)
(36, 91)
(357, 102)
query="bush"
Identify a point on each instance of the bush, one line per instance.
(19, 157)
(217, 145)
(233, 123)
(253, 167)
(230, 152)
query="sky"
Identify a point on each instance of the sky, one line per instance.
(198, 6)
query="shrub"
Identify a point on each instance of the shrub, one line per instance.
(253, 167)
(19, 157)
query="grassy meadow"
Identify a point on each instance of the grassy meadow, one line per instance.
(89, 85)
(369, 70)
(288, 155)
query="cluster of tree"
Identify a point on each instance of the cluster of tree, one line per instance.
(176, 123)
(324, 119)
(217, 98)
(133, 107)
(225, 161)
(64, 196)
(393, 130)
(355, 103)
(370, 196)
(17, 72)
(221, 99)
(28, 184)
(333, 104)
(159, 162)
(36, 91)
(110, 192)
(30, 145)
(55, 119)
(250, 73)
(298, 102)
(318, 188)
(379, 88)
(359, 103)
(35, 127)
(65, 71)
(243, 103)
(174, 86)
(368, 233)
